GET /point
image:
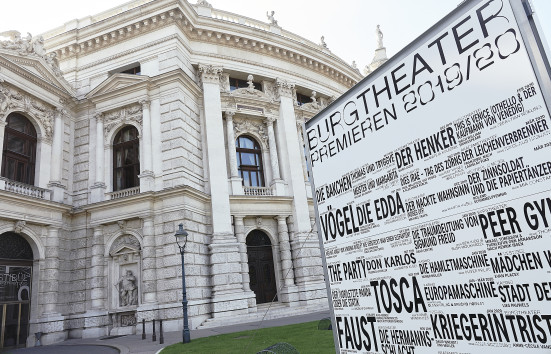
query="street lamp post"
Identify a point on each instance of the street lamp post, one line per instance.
(181, 236)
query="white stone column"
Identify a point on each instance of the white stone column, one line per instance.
(240, 235)
(156, 143)
(300, 124)
(98, 189)
(147, 179)
(228, 297)
(57, 157)
(50, 275)
(288, 274)
(289, 293)
(149, 266)
(2, 131)
(291, 158)
(304, 244)
(235, 181)
(277, 182)
(97, 271)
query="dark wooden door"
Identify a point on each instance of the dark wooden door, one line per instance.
(15, 290)
(261, 267)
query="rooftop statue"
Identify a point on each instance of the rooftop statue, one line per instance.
(28, 45)
(271, 18)
(379, 37)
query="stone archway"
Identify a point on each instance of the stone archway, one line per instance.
(261, 267)
(16, 263)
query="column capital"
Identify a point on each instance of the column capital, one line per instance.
(145, 103)
(270, 119)
(99, 116)
(209, 73)
(61, 111)
(229, 115)
(284, 88)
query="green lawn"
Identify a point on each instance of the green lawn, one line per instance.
(305, 337)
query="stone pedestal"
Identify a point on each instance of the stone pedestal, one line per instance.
(228, 296)
(97, 192)
(58, 191)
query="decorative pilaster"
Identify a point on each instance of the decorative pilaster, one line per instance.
(288, 274)
(300, 124)
(240, 235)
(147, 179)
(2, 130)
(57, 157)
(98, 189)
(97, 271)
(149, 262)
(236, 181)
(304, 244)
(228, 297)
(50, 274)
(291, 155)
(274, 159)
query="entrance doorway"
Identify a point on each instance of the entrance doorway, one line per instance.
(261, 267)
(16, 258)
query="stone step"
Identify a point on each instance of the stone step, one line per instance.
(264, 311)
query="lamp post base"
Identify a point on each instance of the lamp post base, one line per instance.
(185, 336)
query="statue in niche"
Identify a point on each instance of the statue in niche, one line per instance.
(128, 290)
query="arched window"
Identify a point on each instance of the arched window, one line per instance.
(249, 161)
(126, 159)
(19, 151)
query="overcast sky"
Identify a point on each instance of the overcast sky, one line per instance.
(348, 25)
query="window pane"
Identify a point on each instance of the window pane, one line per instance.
(118, 179)
(16, 144)
(246, 143)
(254, 179)
(248, 159)
(20, 173)
(246, 180)
(118, 158)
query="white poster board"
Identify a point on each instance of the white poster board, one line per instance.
(432, 183)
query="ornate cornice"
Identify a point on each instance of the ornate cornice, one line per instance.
(210, 73)
(221, 37)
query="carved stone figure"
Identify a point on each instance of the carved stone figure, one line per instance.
(322, 42)
(379, 37)
(128, 290)
(271, 18)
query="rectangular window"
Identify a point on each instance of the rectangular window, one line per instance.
(302, 99)
(237, 84)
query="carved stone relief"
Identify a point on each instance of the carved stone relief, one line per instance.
(124, 115)
(14, 99)
(241, 126)
(29, 46)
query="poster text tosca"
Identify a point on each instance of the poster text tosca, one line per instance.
(478, 41)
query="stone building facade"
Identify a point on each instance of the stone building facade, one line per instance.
(118, 127)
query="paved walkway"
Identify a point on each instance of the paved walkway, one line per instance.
(135, 344)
